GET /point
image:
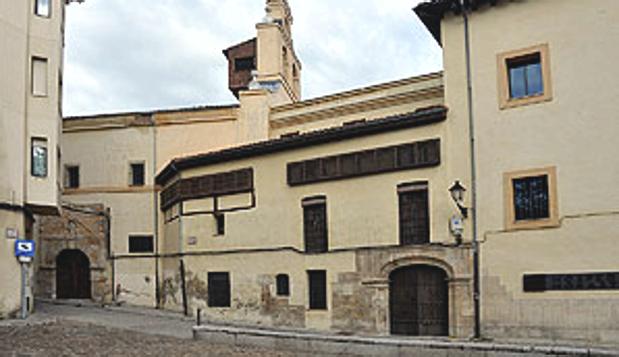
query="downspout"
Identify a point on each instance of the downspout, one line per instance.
(156, 216)
(464, 5)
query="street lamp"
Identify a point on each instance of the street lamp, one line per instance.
(457, 194)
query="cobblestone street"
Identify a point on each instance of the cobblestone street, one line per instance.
(68, 338)
(93, 331)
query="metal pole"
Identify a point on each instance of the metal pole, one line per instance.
(476, 260)
(24, 304)
(183, 288)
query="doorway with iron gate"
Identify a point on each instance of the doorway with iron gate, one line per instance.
(419, 301)
(72, 275)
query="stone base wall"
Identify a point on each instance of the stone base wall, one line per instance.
(81, 228)
(583, 317)
(357, 293)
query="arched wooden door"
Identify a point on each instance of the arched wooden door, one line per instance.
(419, 301)
(72, 275)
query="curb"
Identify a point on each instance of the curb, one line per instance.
(334, 344)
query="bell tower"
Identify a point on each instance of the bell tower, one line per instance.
(278, 67)
(268, 61)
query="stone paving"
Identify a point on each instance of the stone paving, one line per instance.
(90, 331)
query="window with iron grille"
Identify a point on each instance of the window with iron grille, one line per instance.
(317, 280)
(72, 178)
(283, 285)
(414, 214)
(531, 199)
(219, 289)
(315, 225)
(137, 174)
(141, 244)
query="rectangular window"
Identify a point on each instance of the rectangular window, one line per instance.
(141, 244)
(42, 8)
(72, 176)
(283, 285)
(39, 157)
(218, 289)
(531, 199)
(244, 64)
(315, 224)
(317, 289)
(137, 174)
(524, 76)
(220, 222)
(39, 76)
(414, 214)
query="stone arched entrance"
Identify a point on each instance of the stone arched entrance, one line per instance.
(419, 301)
(72, 275)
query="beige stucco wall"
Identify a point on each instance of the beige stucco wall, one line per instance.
(361, 213)
(23, 117)
(575, 132)
(104, 147)
(372, 102)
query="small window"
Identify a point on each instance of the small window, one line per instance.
(218, 289)
(414, 213)
(295, 72)
(283, 285)
(39, 157)
(315, 225)
(137, 174)
(220, 223)
(524, 76)
(141, 244)
(42, 8)
(317, 289)
(244, 64)
(72, 176)
(39, 77)
(531, 199)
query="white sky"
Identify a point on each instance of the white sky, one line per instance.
(151, 54)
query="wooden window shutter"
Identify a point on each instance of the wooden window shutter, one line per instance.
(315, 225)
(414, 214)
(317, 289)
(219, 289)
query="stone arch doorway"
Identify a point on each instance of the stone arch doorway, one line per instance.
(419, 301)
(72, 275)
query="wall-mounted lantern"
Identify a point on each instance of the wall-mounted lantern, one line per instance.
(457, 194)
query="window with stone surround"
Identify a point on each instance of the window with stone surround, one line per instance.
(531, 199)
(524, 76)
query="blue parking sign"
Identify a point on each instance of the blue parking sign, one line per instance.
(24, 248)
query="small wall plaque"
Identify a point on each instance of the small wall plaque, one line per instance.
(12, 233)
(192, 241)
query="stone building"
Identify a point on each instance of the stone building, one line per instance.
(31, 38)
(335, 213)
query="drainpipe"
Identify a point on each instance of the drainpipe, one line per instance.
(156, 215)
(464, 6)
